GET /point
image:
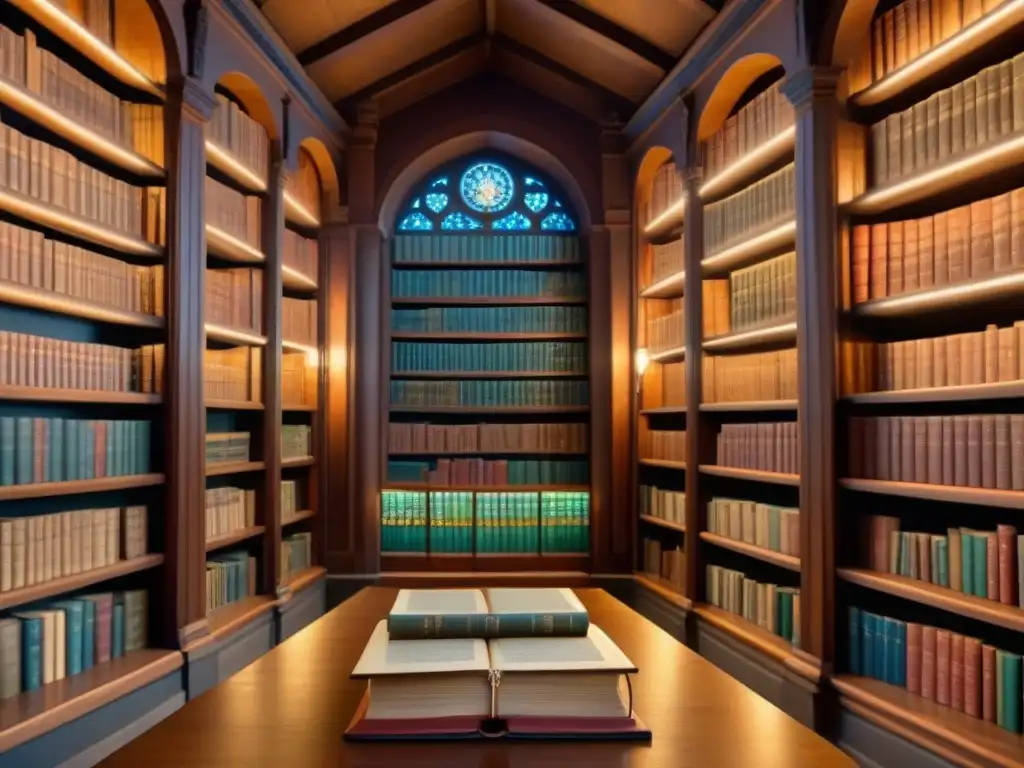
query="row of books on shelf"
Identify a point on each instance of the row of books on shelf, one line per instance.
(667, 331)
(766, 116)
(972, 114)
(716, 308)
(914, 27)
(40, 548)
(229, 577)
(233, 374)
(304, 183)
(299, 321)
(296, 441)
(669, 506)
(234, 297)
(661, 444)
(53, 450)
(38, 361)
(296, 554)
(762, 292)
(767, 447)
(663, 561)
(973, 241)
(289, 499)
(666, 191)
(299, 379)
(232, 212)
(524, 393)
(49, 174)
(300, 254)
(496, 247)
(231, 129)
(528, 356)
(487, 438)
(59, 639)
(763, 525)
(455, 283)
(667, 259)
(757, 376)
(490, 320)
(444, 472)
(771, 607)
(953, 670)
(967, 451)
(33, 260)
(135, 126)
(664, 385)
(230, 509)
(767, 202)
(227, 447)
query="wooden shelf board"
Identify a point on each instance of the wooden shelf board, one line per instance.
(963, 739)
(1003, 390)
(298, 517)
(298, 408)
(972, 293)
(957, 173)
(238, 336)
(234, 467)
(664, 463)
(445, 454)
(755, 247)
(672, 355)
(498, 301)
(66, 488)
(235, 537)
(228, 619)
(989, 611)
(777, 331)
(789, 562)
(300, 580)
(747, 168)
(670, 287)
(665, 224)
(234, 405)
(755, 475)
(488, 374)
(746, 632)
(524, 409)
(546, 263)
(750, 405)
(964, 43)
(37, 298)
(302, 461)
(664, 410)
(53, 587)
(984, 497)
(298, 214)
(294, 280)
(36, 713)
(484, 336)
(485, 488)
(663, 588)
(46, 395)
(226, 163)
(226, 246)
(31, 106)
(663, 523)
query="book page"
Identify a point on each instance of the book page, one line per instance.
(416, 657)
(435, 602)
(595, 653)
(538, 601)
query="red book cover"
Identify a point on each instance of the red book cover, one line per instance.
(942, 666)
(956, 667)
(103, 625)
(972, 676)
(914, 650)
(992, 566)
(1006, 536)
(928, 641)
(988, 683)
(501, 472)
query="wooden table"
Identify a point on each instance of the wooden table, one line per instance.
(290, 708)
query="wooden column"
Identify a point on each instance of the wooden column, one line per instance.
(272, 242)
(813, 94)
(188, 108)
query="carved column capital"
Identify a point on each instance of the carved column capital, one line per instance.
(197, 101)
(803, 88)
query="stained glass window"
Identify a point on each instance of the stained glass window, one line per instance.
(441, 181)
(514, 221)
(416, 203)
(535, 201)
(459, 220)
(556, 221)
(436, 201)
(487, 187)
(416, 222)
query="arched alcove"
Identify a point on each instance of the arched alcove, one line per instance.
(733, 86)
(248, 95)
(315, 152)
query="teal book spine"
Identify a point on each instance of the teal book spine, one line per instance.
(855, 630)
(979, 580)
(56, 451)
(23, 446)
(967, 562)
(870, 646)
(1012, 692)
(88, 633)
(32, 653)
(483, 625)
(73, 623)
(882, 662)
(113, 440)
(117, 635)
(87, 450)
(900, 653)
(7, 450)
(71, 445)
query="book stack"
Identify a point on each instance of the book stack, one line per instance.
(505, 283)
(762, 206)
(667, 260)
(769, 114)
(233, 131)
(662, 444)
(41, 548)
(482, 472)
(763, 525)
(763, 292)
(227, 447)
(296, 441)
(229, 577)
(666, 191)
(234, 298)
(298, 380)
(489, 393)
(491, 320)
(769, 606)
(667, 331)
(565, 522)
(434, 667)
(451, 522)
(299, 321)
(507, 523)
(487, 438)
(232, 374)
(949, 668)
(750, 377)
(296, 554)
(229, 510)
(234, 213)
(462, 248)
(56, 640)
(532, 357)
(663, 561)
(300, 254)
(669, 506)
(769, 447)
(403, 521)
(52, 450)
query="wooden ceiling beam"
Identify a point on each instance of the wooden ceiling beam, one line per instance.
(609, 29)
(366, 26)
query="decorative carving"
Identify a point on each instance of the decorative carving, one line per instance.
(197, 23)
(197, 102)
(803, 87)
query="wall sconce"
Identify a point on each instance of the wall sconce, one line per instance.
(640, 363)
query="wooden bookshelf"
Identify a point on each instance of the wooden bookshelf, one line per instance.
(775, 332)
(789, 562)
(236, 336)
(985, 497)
(523, 409)
(235, 537)
(54, 395)
(774, 240)
(229, 248)
(664, 463)
(664, 410)
(965, 295)
(228, 619)
(71, 487)
(673, 355)
(761, 640)
(298, 408)
(298, 517)
(235, 405)
(750, 166)
(54, 587)
(234, 468)
(302, 461)
(663, 588)
(303, 578)
(37, 298)
(298, 214)
(751, 475)
(296, 281)
(224, 161)
(750, 406)
(1006, 390)
(665, 224)
(663, 523)
(670, 287)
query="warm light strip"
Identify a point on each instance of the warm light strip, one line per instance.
(651, 291)
(966, 41)
(666, 354)
(71, 30)
(730, 257)
(750, 163)
(223, 160)
(224, 333)
(54, 218)
(29, 105)
(943, 177)
(28, 296)
(298, 212)
(997, 287)
(756, 335)
(673, 210)
(295, 346)
(297, 279)
(228, 244)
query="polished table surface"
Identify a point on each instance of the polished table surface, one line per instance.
(291, 707)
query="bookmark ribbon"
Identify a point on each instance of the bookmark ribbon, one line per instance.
(494, 675)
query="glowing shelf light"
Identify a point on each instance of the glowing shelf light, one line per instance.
(296, 212)
(226, 163)
(747, 166)
(766, 335)
(666, 288)
(740, 254)
(229, 247)
(215, 332)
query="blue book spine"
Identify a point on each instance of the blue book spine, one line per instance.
(117, 636)
(88, 634)
(23, 446)
(71, 467)
(7, 450)
(56, 451)
(855, 636)
(73, 624)
(900, 653)
(87, 454)
(878, 642)
(113, 439)
(32, 654)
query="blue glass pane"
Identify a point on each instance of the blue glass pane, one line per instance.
(416, 203)
(416, 222)
(558, 204)
(487, 187)
(531, 182)
(535, 201)
(514, 221)
(436, 201)
(459, 220)
(439, 182)
(556, 221)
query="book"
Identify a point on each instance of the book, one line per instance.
(551, 687)
(496, 612)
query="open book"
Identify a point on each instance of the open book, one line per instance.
(551, 687)
(452, 613)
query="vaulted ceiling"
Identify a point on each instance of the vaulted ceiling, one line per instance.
(600, 57)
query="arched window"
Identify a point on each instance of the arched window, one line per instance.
(486, 193)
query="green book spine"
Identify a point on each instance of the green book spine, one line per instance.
(1012, 692)
(23, 447)
(7, 450)
(980, 561)
(967, 561)
(56, 450)
(87, 450)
